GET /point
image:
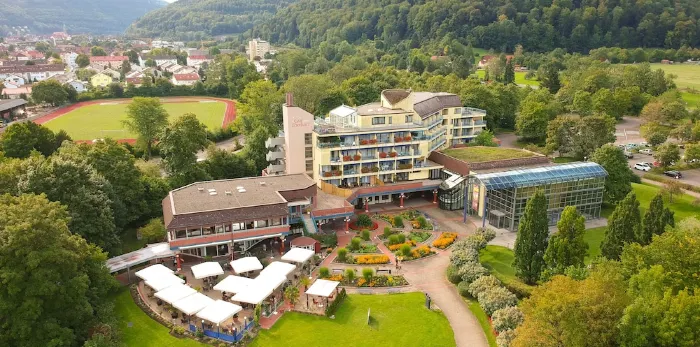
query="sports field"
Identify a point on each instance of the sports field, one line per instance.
(687, 79)
(101, 119)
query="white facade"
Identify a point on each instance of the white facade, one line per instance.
(258, 48)
(79, 86)
(69, 58)
(14, 81)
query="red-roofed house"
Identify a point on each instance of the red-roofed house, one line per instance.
(16, 93)
(114, 61)
(34, 55)
(185, 79)
(197, 60)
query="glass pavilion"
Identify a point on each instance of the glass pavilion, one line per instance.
(500, 197)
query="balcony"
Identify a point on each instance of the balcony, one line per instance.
(275, 169)
(274, 142)
(274, 155)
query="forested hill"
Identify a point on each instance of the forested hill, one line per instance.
(79, 16)
(195, 19)
(539, 25)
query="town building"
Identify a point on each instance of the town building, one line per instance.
(198, 60)
(16, 93)
(114, 61)
(13, 81)
(12, 109)
(101, 80)
(257, 48)
(32, 73)
(158, 59)
(185, 79)
(79, 86)
(69, 59)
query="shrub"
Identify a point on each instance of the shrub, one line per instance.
(520, 289)
(323, 272)
(365, 234)
(371, 259)
(355, 243)
(507, 318)
(367, 274)
(463, 288)
(471, 271)
(476, 241)
(363, 220)
(398, 246)
(393, 239)
(401, 238)
(505, 338)
(387, 232)
(406, 250)
(333, 306)
(445, 240)
(420, 252)
(422, 222)
(350, 274)
(488, 233)
(398, 221)
(342, 254)
(495, 299)
(463, 256)
(483, 284)
(453, 274)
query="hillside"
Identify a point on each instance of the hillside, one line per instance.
(194, 19)
(499, 24)
(79, 16)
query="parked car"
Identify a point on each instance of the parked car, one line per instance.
(642, 166)
(643, 144)
(673, 173)
(629, 154)
(646, 151)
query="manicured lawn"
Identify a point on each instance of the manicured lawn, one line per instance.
(687, 76)
(682, 205)
(144, 331)
(593, 238)
(396, 320)
(482, 154)
(499, 261)
(98, 121)
(519, 78)
(693, 100)
(483, 319)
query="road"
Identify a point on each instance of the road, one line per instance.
(228, 145)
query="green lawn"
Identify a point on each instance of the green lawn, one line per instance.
(482, 154)
(687, 76)
(397, 320)
(499, 261)
(682, 206)
(89, 122)
(519, 78)
(483, 319)
(593, 238)
(693, 100)
(144, 331)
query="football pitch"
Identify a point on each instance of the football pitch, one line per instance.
(105, 119)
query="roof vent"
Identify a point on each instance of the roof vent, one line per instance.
(212, 193)
(239, 187)
(200, 189)
(212, 190)
(228, 192)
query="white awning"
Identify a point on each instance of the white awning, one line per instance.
(279, 268)
(322, 288)
(164, 281)
(208, 269)
(154, 251)
(246, 264)
(193, 303)
(175, 293)
(269, 281)
(252, 295)
(298, 255)
(153, 271)
(219, 311)
(233, 284)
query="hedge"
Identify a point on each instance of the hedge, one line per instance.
(662, 179)
(333, 306)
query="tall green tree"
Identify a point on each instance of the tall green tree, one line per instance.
(656, 218)
(49, 92)
(309, 91)
(180, 143)
(147, 118)
(619, 181)
(667, 154)
(550, 80)
(623, 227)
(97, 51)
(531, 241)
(567, 246)
(19, 139)
(509, 73)
(55, 284)
(82, 60)
(531, 122)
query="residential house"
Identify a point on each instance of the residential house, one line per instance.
(198, 60)
(69, 59)
(101, 80)
(112, 73)
(16, 93)
(185, 79)
(33, 73)
(158, 59)
(114, 61)
(79, 86)
(35, 55)
(13, 81)
(60, 36)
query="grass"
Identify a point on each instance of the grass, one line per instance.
(396, 320)
(144, 332)
(693, 100)
(483, 154)
(519, 78)
(563, 160)
(89, 122)
(499, 261)
(687, 76)
(593, 238)
(483, 319)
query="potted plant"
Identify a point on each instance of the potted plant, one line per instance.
(357, 157)
(407, 138)
(336, 172)
(382, 154)
(364, 142)
(327, 174)
(393, 154)
(375, 169)
(365, 170)
(373, 141)
(398, 139)
(346, 158)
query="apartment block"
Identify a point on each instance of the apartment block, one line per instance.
(258, 48)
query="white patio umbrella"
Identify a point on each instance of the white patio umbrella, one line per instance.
(219, 311)
(153, 271)
(233, 284)
(193, 303)
(162, 281)
(246, 264)
(175, 293)
(298, 255)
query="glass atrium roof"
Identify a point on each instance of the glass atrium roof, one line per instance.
(541, 175)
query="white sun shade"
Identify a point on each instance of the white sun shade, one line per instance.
(233, 284)
(161, 282)
(298, 255)
(208, 269)
(246, 264)
(153, 271)
(252, 295)
(175, 293)
(219, 311)
(269, 281)
(279, 268)
(322, 288)
(193, 303)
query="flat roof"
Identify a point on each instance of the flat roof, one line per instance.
(10, 104)
(235, 193)
(479, 154)
(541, 175)
(376, 109)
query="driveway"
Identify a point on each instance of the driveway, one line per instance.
(228, 145)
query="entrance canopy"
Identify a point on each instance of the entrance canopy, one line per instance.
(208, 269)
(219, 311)
(154, 251)
(153, 271)
(233, 284)
(278, 268)
(174, 293)
(322, 288)
(298, 255)
(246, 264)
(193, 303)
(164, 281)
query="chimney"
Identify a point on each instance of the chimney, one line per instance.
(289, 100)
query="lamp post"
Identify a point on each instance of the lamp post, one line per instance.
(401, 196)
(366, 205)
(347, 224)
(435, 191)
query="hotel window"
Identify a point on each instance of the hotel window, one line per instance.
(180, 234)
(378, 120)
(238, 226)
(307, 139)
(194, 232)
(276, 221)
(444, 112)
(219, 229)
(208, 230)
(261, 223)
(390, 118)
(308, 153)
(458, 110)
(409, 118)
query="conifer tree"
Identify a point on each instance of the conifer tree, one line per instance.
(531, 241)
(623, 227)
(655, 220)
(509, 73)
(567, 247)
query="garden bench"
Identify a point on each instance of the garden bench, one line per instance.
(384, 272)
(338, 271)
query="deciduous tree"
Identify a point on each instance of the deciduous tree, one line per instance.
(147, 118)
(82, 60)
(567, 246)
(623, 227)
(19, 139)
(619, 181)
(50, 92)
(667, 154)
(180, 143)
(531, 241)
(309, 90)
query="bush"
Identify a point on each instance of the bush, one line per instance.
(323, 272)
(372, 259)
(463, 256)
(406, 250)
(355, 243)
(471, 271)
(507, 318)
(342, 254)
(483, 284)
(154, 231)
(422, 222)
(350, 274)
(488, 234)
(505, 338)
(367, 274)
(365, 234)
(453, 274)
(333, 306)
(495, 299)
(364, 221)
(421, 252)
(398, 246)
(401, 238)
(398, 221)
(520, 289)
(387, 232)
(394, 239)
(463, 288)
(476, 241)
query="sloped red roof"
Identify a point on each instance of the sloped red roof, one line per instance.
(108, 58)
(187, 77)
(199, 57)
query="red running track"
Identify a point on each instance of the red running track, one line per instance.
(229, 114)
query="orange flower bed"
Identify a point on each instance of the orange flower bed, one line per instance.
(372, 259)
(420, 252)
(445, 240)
(336, 277)
(397, 246)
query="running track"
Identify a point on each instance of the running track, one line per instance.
(229, 115)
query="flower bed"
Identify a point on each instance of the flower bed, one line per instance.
(371, 259)
(419, 236)
(419, 252)
(382, 281)
(356, 227)
(367, 248)
(445, 240)
(398, 246)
